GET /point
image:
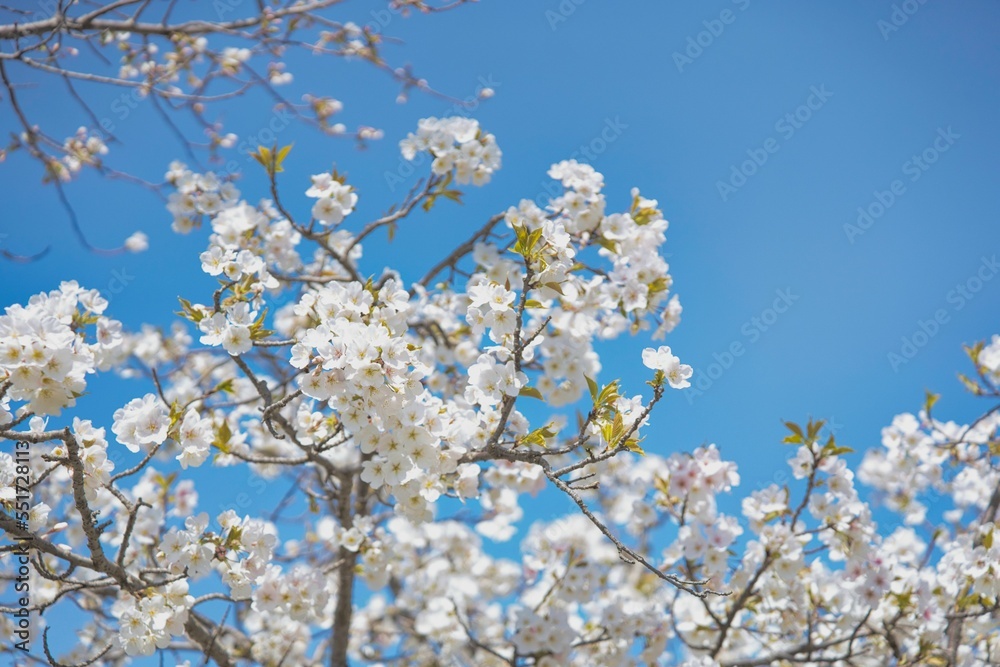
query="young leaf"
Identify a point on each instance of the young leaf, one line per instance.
(930, 401)
(530, 392)
(190, 312)
(264, 157)
(280, 157)
(632, 444)
(538, 437)
(608, 395)
(222, 437)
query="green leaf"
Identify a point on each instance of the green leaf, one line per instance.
(226, 386)
(521, 233)
(531, 392)
(831, 448)
(190, 312)
(659, 285)
(795, 428)
(538, 437)
(265, 158)
(607, 432)
(222, 436)
(969, 600)
(903, 600)
(646, 215)
(971, 385)
(617, 428)
(931, 400)
(520, 246)
(662, 485)
(611, 246)
(608, 395)
(974, 351)
(632, 444)
(813, 428)
(280, 157)
(593, 387)
(257, 330)
(165, 482)
(533, 303)
(533, 238)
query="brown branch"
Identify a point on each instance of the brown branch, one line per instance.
(93, 22)
(461, 251)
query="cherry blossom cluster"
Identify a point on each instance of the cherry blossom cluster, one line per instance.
(196, 195)
(141, 423)
(663, 360)
(989, 360)
(285, 605)
(195, 550)
(335, 200)
(458, 146)
(639, 280)
(148, 623)
(83, 148)
(361, 362)
(44, 353)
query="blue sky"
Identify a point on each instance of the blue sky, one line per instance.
(680, 126)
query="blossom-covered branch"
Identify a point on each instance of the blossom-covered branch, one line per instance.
(417, 423)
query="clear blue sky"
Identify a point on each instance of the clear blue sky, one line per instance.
(887, 96)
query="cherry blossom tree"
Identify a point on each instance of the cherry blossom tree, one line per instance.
(391, 405)
(417, 420)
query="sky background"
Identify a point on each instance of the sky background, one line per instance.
(561, 77)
